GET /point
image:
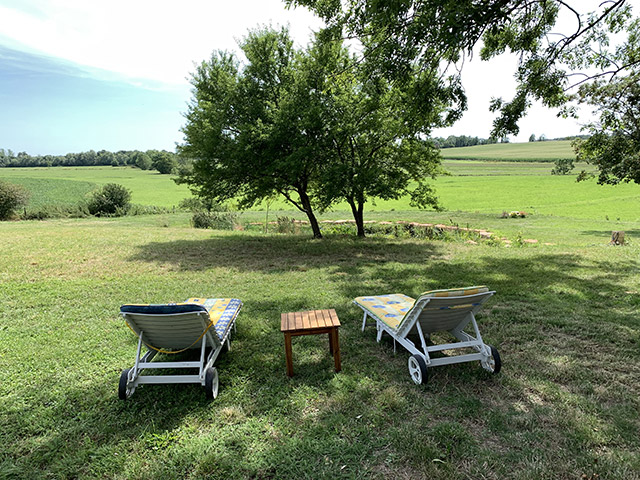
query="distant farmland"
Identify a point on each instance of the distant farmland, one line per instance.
(513, 152)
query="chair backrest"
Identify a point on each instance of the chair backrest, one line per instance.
(174, 326)
(445, 310)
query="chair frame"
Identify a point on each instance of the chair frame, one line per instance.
(411, 321)
(209, 339)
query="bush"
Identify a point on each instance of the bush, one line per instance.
(563, 166)
(214, 220)
(111, 199)
(12, 197)
(287, 225)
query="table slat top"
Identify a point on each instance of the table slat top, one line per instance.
(309, 320)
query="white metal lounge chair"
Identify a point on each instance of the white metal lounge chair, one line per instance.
(203, 323)
(438, 310)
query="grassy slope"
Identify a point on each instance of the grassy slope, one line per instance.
(149, 188)
(564, 319)
(476, 194)
(531, 151)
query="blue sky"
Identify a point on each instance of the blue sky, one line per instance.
(51, 106)
(77, 75)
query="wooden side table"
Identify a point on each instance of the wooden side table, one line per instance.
(311, 322)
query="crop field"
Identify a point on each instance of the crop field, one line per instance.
(520, 152)
(147, 187)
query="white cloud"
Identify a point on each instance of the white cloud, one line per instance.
(156, 40)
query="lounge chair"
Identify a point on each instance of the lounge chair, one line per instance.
(203, 323)
(438, 310)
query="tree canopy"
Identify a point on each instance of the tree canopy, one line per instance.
(614, 143)
(438, 36)
(250, 137)
(308, 125)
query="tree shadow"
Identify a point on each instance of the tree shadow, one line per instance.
(607, 233)
(564, 324)
(277, 254)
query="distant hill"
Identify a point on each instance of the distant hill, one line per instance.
(547, 151)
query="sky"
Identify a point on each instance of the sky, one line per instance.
(77, 75)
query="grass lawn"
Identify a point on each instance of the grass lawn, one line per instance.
(565, 319)
(523, 152)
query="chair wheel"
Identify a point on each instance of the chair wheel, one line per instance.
(124, 391)
(211, 382)
(418, 369)
(493, 364)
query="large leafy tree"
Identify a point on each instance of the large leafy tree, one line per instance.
(248, 128)
(311, 126)
(436, 35)
(614, 143)
(375, 139)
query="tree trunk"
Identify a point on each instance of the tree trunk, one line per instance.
(358, 216)
(313, 221)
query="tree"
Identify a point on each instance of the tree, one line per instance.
(142, 160)
(310, 126)
(532, 138)
(614, 144)
(164, 162)
(12, 197)
(250, 139)
(435, 36)
(375, 141)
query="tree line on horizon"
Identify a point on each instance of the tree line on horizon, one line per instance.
(160, 160)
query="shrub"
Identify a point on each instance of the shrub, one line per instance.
(286, 225)
(563, 166)
(214, 220)
(111, 199)
(12, 197)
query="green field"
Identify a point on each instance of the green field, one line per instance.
(476, 193)
(522, 152)
(148, 187)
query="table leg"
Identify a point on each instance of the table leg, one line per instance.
(288, 354)
(336, 349)
(331, 343)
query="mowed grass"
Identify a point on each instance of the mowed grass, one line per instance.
(564, 320)
(486, 188)
(147, 187)
(529, 152)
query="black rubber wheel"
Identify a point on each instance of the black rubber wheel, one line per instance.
(211, 382)
(494, 362)
(418, 369)
(496, 359)
(123, 391)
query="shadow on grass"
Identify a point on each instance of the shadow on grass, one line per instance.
(607, 233)
(566, 326)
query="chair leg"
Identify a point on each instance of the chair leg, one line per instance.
(379, 336)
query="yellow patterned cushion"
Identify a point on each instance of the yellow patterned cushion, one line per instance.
(390, 308)
(393, 308)
(221, 311)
